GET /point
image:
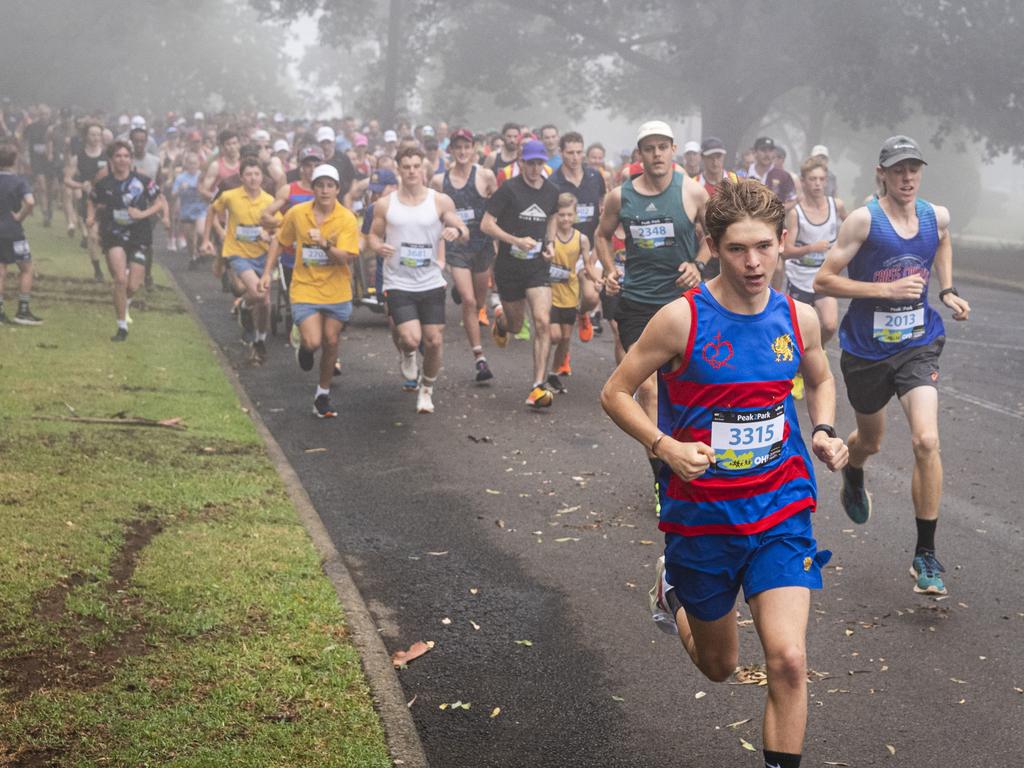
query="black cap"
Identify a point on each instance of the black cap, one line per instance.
(712, 146)
(763, 142)
(898, 148)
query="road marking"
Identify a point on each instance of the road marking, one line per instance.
(982, 403)
(986, 344)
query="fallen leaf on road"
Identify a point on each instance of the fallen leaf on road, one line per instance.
(473, 590)
(617, 698)
(411, 701)
(841, 765)
(747, 745)
(645, 542)
(849, 632)
(527, 643)
(484, 439)
(446, 621)
(461, 705)
(493, 492)
(316, 450)
(442, 706)
(699, 695)
(565, 539)
(401, 658)
(891, 748)
(752, 674)
(956, 680)
(475, 625)
(500, 523)
(495, 712)
(738, 723)
(438, 554)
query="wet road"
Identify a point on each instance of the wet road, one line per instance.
(486, 526)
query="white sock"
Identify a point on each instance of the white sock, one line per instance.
(122, 324)
(321, 391)
(426, 382)
(261, 335)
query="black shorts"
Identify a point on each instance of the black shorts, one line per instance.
(513, 277)
(136, 252)
(475, 258)
(40, 165)
(633, 317)
(870, 384)
(425, 306)
(563, 315)
(609, 306)
(14, 251)
(805, 297)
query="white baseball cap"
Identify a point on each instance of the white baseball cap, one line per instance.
(390, 136)
(324, 133)
(655, 128)
(138, 121)
(198, 116)
(819, 149)
(282, 145)
(691, 146)
(326, 170)
(260, 135)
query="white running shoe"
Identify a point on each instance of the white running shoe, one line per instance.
(424, 399)
(410, 370)
(660, 611)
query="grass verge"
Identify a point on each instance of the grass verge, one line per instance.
(160, 603)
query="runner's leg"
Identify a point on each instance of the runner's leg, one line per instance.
(921, 405)
(539, 300)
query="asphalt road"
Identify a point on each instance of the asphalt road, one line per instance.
(486, 525)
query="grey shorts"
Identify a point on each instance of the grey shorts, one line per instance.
(476, 259)
(870, 384)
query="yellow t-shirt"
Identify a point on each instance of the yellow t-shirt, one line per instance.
(314, 280)
(243, 231)
(565, 286)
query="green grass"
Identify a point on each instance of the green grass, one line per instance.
(219, 641)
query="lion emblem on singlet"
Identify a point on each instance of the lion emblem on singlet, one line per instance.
(783, 348)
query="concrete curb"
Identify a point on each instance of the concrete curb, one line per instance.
(389, 700)
(986, 281)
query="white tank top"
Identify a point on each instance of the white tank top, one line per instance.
(801, 271)
(414, 231)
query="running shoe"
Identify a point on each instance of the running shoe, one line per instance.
(498, 331)
(856, 501)
(660, 612)
(598, 320)
(97, 273)
(83, 243)
(424, 400)
(555, 384)
(305, 358)
(585, 328)
(259, 351)
(322, 407)
(926, 569)
(71, 233)
(25, 317)
(565, 369)
(337, 368)
(172, 246)
(524, 332)
(245, 318)
(798, 387)
(484, 322)
(456, 295)
(295, 337)
(410, 371)
(540, 397)
(483, 372)
(121, 335)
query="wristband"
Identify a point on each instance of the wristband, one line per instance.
(944, 291)
(700, 265)
(654, 443)
(828, 429)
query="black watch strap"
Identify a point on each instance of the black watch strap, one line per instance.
(944, 291)
(828, 429)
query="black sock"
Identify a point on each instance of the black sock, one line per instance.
(925, 535)
(674, 603)
(656, 466)
(854, 475)
(780, 760)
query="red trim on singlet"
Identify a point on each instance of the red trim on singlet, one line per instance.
(742, 529)
(694, 394)
(714, 489)
(799, 340)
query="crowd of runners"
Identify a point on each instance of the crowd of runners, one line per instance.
(718, 285)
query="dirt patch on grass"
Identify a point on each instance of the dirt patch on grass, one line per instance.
(72, 663)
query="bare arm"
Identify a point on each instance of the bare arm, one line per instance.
(268, 219)
(454, 227)
(792, 250)
(943, 266)
(489, 226)
(820, 389)
(662, 341)
(378, 229)
(603, 239)
(209, 181)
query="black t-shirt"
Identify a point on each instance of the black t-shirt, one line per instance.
(13, 189)
(346, 171)
(523, 211)
(589, 195)
(114, 197)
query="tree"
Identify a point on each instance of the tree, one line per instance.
(143, 55)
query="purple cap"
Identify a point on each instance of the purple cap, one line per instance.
(534, 150)
(311, 153)
(382, 179)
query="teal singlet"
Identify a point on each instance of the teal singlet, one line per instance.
(659, 237)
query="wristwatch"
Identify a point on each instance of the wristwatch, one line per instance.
(828, 429)
(700, 265)
(944, 291)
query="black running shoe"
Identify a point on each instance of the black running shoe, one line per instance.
(97, 273)
(259, 351)
(245, 318)
(322, 407)
(121, 335)
(483, 371)
(456, 295)
(555, 384)
(305, 358)
(25, 317)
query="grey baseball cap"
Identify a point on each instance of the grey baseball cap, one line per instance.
(898, 148)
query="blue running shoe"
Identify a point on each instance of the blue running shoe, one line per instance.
(856, 501)
(926, 569)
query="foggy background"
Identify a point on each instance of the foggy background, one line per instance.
(843, 74)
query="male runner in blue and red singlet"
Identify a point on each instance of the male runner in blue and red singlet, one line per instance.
(738, 489)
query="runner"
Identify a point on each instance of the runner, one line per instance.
(80, 176)
(691, 159)
(764, 170)
(190, 206)
(470, 264)
(739, 485)
(148, 165)
(521, 218)
(659, 211)
(509, 151)
(820, 152)
(407, 228)
(16, 203)
(123, 202)
(245, 249)
(224, 165)
(570, 245)
(549, 135)
(288, 196)
(713, 158)
(324, 237)
(892, 338)
(588, 187)
(38, 140)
